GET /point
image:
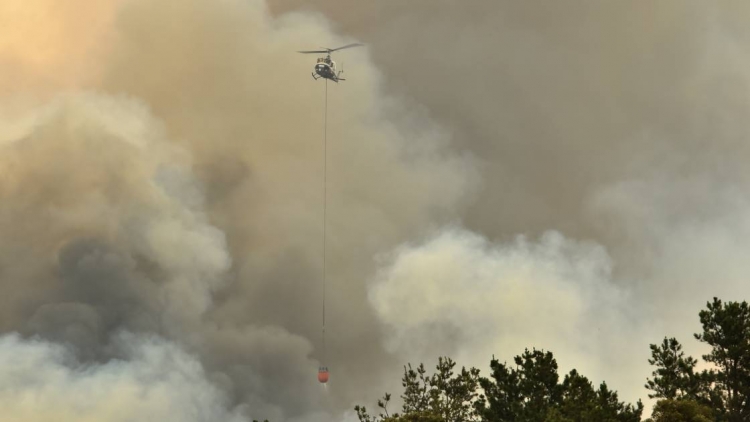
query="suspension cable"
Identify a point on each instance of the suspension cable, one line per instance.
(325, 211)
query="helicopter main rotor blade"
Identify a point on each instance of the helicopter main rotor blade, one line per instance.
(330, 50)
(356, 44)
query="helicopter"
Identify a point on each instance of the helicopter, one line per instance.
(325, 67)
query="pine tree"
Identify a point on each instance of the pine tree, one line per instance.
(441, 397)
(726, 328)
(674, 376)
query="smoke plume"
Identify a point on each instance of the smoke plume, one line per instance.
(162, 196)
(500, 176)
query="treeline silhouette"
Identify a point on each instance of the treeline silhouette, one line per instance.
(530, 389)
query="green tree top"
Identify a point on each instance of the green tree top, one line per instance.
(531, 392)
(674, 376)
(681, 410)
(442, 396)
(726, 328)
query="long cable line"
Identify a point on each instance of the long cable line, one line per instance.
(325, 211)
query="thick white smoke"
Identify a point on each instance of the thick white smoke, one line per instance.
(152, 381)
(458, 294)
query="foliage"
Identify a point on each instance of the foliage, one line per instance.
(725, 389)
(530, 392)
(726, 328)
(679, 410)
(674, 376)
(529, 389)
(525, 392)
(442, 396)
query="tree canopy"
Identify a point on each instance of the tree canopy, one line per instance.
(529, 390)
(442, 396)
(681, 410)
(723, 390)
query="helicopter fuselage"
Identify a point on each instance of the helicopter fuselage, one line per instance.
(326, 68)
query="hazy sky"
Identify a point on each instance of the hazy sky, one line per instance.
(501, 175)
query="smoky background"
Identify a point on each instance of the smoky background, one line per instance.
(501, 175)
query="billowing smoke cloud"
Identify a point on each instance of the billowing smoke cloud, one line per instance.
(161, 195)
(153, 381)
(131, 248)
(161, 199)
(457, 294)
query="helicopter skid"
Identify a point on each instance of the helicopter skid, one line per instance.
(323, 77)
